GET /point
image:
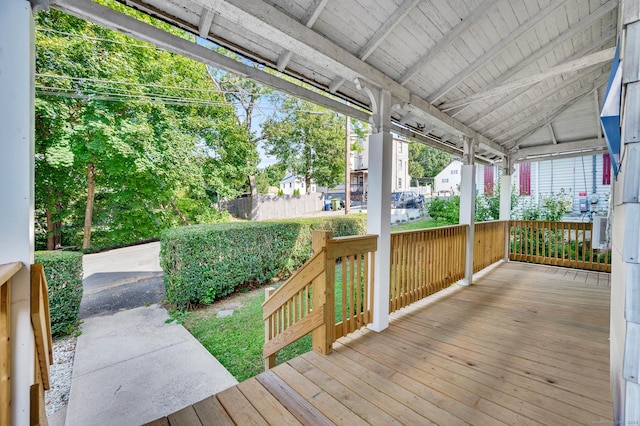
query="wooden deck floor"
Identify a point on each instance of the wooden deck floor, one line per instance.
(526, 344)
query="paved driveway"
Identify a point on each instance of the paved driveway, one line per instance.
(121, 279)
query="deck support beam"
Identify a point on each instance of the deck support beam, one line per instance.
(625, 253)
(505, 188)
(467, 204)
(17, 59)
(379, 201)
(505, 198)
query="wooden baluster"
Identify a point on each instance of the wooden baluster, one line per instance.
(270, 361)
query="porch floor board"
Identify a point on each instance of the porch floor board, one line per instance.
(526, 344)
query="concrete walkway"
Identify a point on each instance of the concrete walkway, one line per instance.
(132, 367)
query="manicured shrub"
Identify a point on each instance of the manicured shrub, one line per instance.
(206, 262)
(63, 270)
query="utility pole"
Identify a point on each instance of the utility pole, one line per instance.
(347, 166)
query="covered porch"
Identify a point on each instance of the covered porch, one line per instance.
(495, 82)
(527, 344)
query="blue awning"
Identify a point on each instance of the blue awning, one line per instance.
(610, 114)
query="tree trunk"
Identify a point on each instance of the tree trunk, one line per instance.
(307, 184)
(179, 213)
(88, 213)
(253, 188)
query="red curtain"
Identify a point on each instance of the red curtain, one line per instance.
(525, 178)
(606, 169)
(488, 180)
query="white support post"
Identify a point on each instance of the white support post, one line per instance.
(505, 199)
(505, 189)
(379, 202)
(468, 205)
(17, 47)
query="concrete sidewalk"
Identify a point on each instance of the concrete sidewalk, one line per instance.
(131, 368)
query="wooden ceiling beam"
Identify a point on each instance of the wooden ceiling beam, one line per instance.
(574, 146)
(504, 100)
(445, 41)
(372, 44)
(548, 117)
(557, 41)
(312, 16)
(513, 111)
(495, 50)
(566, 67)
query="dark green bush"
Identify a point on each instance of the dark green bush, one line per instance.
(63, 270)
(206, 262)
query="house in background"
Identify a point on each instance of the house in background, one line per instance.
(359, 167)
(447, 182)
(585, 181)
(290, 183)
(579, 177)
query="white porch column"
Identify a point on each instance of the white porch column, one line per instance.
(625, 271)
(379, 202)
(17, 45)
(468, 204)
(505, 189)
(505, 199)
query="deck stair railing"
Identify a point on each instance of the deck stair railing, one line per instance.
(306, 303)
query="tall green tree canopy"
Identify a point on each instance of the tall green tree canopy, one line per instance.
(308, 140)
(123, 130)
(426, 162)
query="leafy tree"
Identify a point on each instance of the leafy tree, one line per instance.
(308, 140)
(245, 95)
(270, 176)
(426, 162)
(123, 130)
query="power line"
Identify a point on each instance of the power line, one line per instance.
(84, 37)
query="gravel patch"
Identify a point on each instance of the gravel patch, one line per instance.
(57, 397)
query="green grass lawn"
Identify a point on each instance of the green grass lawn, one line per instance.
(236, 341)
(419, 224)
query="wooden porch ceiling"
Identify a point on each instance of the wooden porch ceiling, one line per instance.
(526, 344)
(521, 77)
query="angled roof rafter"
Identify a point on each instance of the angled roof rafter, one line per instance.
(566, 67)
(311, 17)
(448, 38)
(496, 49)
(557, 41)
(522, 136)
(372, 44)
(501, 101)
(539, 99)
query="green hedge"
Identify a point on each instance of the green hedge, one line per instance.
(205, 262)
(63, 270)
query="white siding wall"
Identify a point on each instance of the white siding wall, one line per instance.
(568, 174)
(449, 178)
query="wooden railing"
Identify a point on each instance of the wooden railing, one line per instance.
(556, 243)
(424, 262)
(489, 243)
(7, 271)
(41, 323)
(307, 301)
(41, 326)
